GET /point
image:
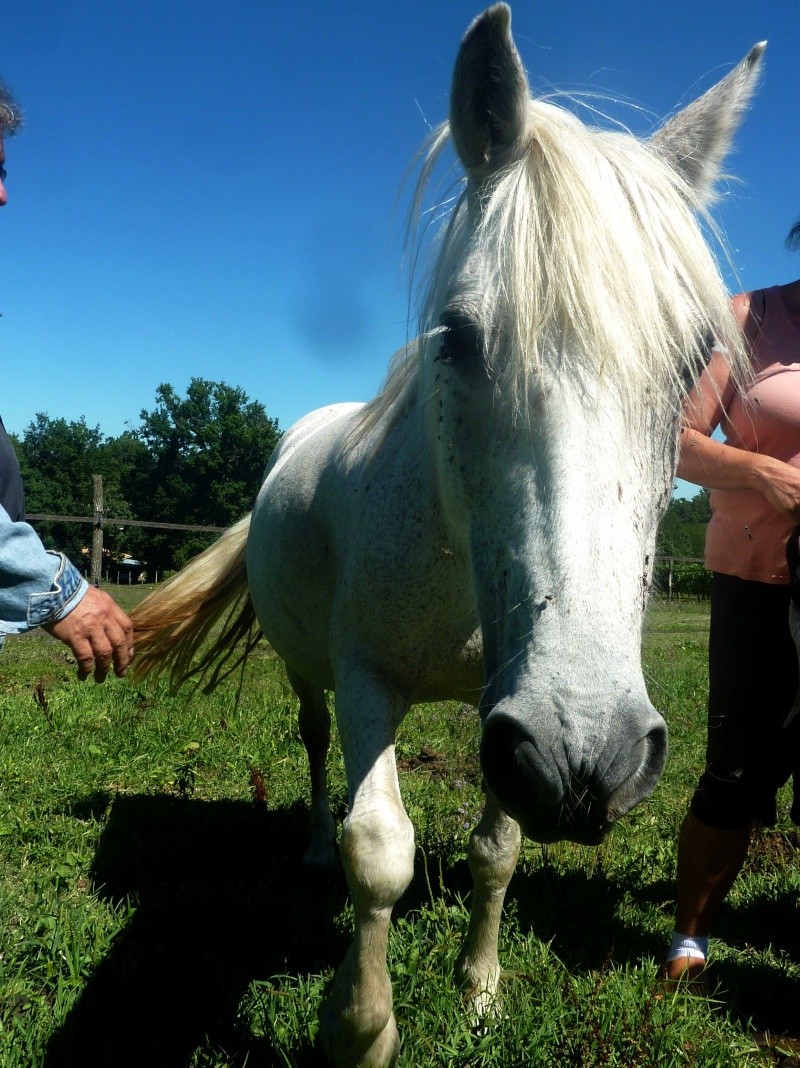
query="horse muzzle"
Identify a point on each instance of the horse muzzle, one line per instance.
(539, 771)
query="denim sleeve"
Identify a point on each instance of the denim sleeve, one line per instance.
(36, 586)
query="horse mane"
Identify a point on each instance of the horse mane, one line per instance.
(596, 253)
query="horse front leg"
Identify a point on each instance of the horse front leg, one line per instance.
(357, 1025)
(492, 857)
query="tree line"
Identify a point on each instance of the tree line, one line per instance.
(682, 534)
(193, 459)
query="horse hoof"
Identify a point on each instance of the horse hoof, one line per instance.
(483, 1005)
(349, 1051)
(322, 855)
(481, 992)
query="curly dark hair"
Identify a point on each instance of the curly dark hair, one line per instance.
(10, 113)
(793, 237)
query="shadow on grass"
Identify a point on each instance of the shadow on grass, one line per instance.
(755, 990)
(577, 913)
(222, 898)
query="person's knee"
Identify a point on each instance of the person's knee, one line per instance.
(733, 801)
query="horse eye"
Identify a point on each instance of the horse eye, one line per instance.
(462, 342)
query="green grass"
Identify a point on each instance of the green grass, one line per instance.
(151, 913)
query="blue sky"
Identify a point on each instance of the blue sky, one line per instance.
(207, 189)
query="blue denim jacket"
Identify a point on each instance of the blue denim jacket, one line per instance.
(36, 586)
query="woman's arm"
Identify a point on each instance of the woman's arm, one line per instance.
(715, 465)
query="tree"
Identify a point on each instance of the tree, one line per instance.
(206, 457)
(683, 528)
(57, 460)
(125, 464)
(696, 509)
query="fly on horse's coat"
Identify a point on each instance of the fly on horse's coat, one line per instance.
(484, 529)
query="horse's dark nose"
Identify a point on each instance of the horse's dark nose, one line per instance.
(545, 781)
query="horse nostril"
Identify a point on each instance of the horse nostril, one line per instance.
(520, 776)
(645, 764)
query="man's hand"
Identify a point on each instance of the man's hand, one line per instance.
(98, 632)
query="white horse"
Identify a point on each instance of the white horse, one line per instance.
(485, 528)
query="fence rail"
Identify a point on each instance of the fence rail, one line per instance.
(99, 519)
(686, 576)
(112, 522)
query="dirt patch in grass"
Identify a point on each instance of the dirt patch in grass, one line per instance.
(426, 760)
(785, 1052)
(773, 849)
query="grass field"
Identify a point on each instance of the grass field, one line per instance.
(154, 911)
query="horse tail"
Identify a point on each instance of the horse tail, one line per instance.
(176, 619)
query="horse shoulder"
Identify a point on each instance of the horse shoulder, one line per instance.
(290, 551)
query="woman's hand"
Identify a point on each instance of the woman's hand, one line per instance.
(780, 485)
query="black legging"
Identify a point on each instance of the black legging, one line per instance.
(753, 680)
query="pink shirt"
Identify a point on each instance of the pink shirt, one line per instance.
(746, 536)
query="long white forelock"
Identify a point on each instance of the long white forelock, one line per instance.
(592, 242)
(592, 245)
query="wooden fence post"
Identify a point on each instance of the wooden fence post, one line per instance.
(96, 560)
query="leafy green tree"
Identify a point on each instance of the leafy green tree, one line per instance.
(206, 454)
(695, 509)
(57, 460)
(683, 528)
(125, 464)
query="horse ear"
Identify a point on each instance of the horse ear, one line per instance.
(489, 95)
(697, 139)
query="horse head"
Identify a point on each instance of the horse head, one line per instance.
(573, 301)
